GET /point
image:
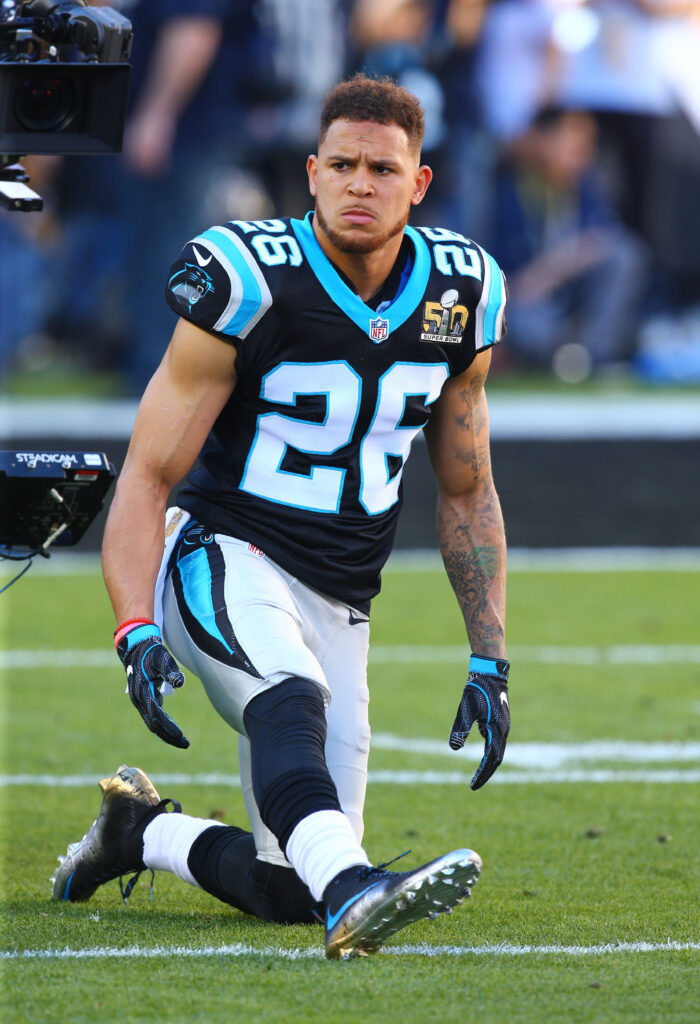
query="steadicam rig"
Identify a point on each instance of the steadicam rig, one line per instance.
(49, 498)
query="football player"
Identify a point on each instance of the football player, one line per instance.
(308, 355)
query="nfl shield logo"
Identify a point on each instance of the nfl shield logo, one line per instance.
(379, 329)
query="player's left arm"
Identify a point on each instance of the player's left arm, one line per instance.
(473, 547)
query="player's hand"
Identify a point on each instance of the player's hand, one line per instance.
(148, 667)
(485, 700)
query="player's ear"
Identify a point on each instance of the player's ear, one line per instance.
(311, 169)
(424, 176)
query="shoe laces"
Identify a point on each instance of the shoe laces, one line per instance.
(127, 888)
(372, 871)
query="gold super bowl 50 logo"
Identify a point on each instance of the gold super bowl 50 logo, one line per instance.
(444, 320)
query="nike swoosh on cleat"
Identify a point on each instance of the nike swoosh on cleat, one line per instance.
(332, 919)
(66, 895)
(200, 259)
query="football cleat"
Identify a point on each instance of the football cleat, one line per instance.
(113, 846)
(366, 905)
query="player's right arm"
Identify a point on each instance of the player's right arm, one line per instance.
(181, 403)
(178, 409)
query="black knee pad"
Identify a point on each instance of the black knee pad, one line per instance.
(286, 726)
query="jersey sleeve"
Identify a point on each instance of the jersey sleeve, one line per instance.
(216, 284)
(490, 320)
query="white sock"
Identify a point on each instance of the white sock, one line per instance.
(167, 841)
(321, 846)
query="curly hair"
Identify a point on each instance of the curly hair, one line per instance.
(381, 100)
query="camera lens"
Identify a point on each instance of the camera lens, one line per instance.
(45, 104)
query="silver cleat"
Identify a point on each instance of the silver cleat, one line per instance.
(365, 906)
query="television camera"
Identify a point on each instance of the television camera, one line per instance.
(48, 498)
(64, 84)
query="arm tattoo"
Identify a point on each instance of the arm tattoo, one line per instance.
(472, 544)
(471, 419)
(469, 521)
(471, 530)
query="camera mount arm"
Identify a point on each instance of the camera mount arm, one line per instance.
(15, 194)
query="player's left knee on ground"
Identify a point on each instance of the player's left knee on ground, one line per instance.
(286, 726)
(224, 862)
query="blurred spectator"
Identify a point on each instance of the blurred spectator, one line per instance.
(225, 98)
(575, 274)
(465, 162)
(306, 54)
(394, 37)
(222, 92)
(126, 218)
(633, 63)
(428, 46)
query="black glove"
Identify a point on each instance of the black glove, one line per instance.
(148, 666)
(485, 700)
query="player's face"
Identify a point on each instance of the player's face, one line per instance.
(365, 180)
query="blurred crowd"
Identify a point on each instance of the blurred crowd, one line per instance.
(564, 136)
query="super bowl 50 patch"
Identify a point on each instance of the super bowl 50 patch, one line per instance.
(444, 320)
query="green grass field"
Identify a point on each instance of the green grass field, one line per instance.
(585, 847)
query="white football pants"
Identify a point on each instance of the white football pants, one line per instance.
(285, 629)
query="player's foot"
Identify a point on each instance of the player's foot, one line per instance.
(365, 906)
(113, 846)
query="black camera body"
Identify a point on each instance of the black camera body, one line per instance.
(49, 498)
(51, 105)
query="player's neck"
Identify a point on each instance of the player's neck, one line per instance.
(367, 270)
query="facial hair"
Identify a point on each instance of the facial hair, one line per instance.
(345, 242)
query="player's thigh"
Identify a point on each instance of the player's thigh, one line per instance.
(344, 663)
(229, 618)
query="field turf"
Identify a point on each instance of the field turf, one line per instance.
(587, 909)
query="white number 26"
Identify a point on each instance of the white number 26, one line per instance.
(321, 489)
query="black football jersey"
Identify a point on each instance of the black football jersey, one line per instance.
(305, 459)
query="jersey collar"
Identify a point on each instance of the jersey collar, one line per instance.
(397, 312)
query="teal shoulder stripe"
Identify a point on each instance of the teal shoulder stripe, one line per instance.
(348, 300)
(496, 300)
(251, 295)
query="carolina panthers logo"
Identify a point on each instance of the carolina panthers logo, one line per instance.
(190, 285)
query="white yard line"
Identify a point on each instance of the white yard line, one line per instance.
(240, 949)
(550, 755)
(547, 654)
(504, 777)
(100, 658)
(407, 654)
